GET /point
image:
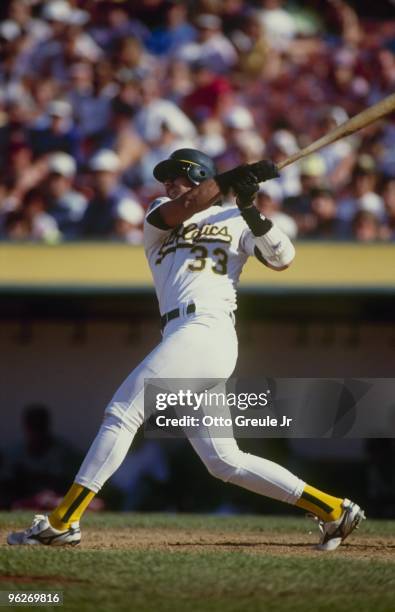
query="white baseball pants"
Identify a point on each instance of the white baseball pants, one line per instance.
(198, 346)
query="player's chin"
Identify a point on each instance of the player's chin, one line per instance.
(173, 192)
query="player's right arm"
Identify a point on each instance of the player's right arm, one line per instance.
(174, 212)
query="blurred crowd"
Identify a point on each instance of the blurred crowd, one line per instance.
(93, 94)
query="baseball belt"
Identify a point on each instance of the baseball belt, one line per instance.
(175, 313)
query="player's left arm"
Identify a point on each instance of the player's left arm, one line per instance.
(274, 249)
(263, 239)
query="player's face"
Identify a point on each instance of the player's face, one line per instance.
(177, 186)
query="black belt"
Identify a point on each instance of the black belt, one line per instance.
(174, 314)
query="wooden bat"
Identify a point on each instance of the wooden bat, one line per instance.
(364, 118)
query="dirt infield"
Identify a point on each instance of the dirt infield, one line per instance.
(359, 546)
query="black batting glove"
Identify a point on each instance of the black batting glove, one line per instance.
(259, 172)
(245, 191)
(227, 180)
(264, 170)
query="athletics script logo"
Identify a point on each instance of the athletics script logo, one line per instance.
(185, 237)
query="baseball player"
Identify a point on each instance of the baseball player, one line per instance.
(196, 250)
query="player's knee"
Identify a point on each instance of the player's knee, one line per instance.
(112, 421)
(226, 467)
(118, 415)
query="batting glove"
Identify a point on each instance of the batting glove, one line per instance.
(245, 191)
(264, 170)
(227, 180)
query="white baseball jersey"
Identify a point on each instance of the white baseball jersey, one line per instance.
(200, 260)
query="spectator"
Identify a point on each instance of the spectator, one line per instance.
(155, 110)
(121, 136)
(178, 83)
(60, 133)
(91, 105)
(44, 91)
(211, 47)
(20, 161)
(312, 176)
(323, 207)
(362, 192)
(388, 195)
(67, 43)
(279, 25)
(151, 12)
(48, 57)
(15, 226)
(131, 55)
(42, 462)
(64, 204)
(251, 44)
(386, 148)
(366, 226)
(16, 51)
(211, 138)
(113, 23)
(98, 220)
(243, 144)
(14, 130)
(339, 157)
(205, 99)
(283, 144)
(129, 216)
(232, 12)
(176, 32)
(41, 225)
(23, 174)
(21, 13)
(78, 43)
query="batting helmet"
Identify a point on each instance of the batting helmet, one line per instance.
(194, 164)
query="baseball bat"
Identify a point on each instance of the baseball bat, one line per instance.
(363, 119)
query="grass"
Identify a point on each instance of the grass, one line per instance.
(203, 580)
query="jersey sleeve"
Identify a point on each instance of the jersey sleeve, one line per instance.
(247, 242)
(274, 248)
(153, 234)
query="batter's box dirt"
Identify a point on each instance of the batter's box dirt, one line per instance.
(359, 546)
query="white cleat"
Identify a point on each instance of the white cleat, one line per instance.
(333, 533)
(41, 532)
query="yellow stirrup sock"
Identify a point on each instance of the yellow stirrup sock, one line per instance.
(326, 507)
(71, 508)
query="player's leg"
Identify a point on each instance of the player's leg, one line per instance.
(226, 461)
(223, 458)
(107, 450)
(106, 453)
(124, 414)
(220, 453)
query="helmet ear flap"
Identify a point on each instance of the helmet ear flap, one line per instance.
(197, 174)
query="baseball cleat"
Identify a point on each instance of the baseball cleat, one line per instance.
(41, 532)
(333, 533)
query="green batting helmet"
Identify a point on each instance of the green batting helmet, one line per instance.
(194, 164)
